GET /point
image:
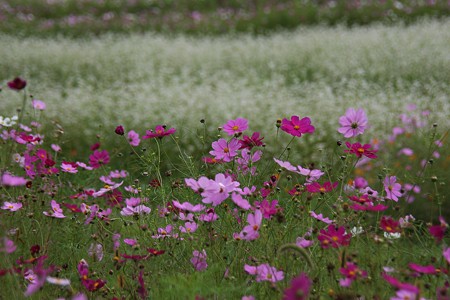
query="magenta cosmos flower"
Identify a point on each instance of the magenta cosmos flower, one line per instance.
(198, 260)
(392, 188)
(334, 237)
(299, 289)
(237, 126)
(98, 158)
(297, 127)
(264, 272)
(224, 150)
(353, 123)
(360, 150)
(327, 187)
(160, 132)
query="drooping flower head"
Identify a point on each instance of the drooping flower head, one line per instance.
(297, 127)
(353, 123)
(235, 127)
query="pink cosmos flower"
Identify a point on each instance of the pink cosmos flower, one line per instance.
(133, 138)
(8, 246)
(400, 285)
(11, 206)
(17, 84)
(351, 273)
(235, 127)
(320, 217)
(265, 272)
(69, 167)
(131, 242)
(430, 269)
(105, 189)
(160, 132)
(219, 189)
(198, 260)
(392, 188)
(353, 123)
(251, 231)
(56, 211)
(285, 164)
(303, 242)
(360, 150)
(250, 142)
(209, 216)
(188, 206)
(189, 227)
(134, 208)
(38, 104)
(99, 158)
(311, 175)
(297, 127)
(247, 160)
(299, 288)
(334, 237)
(223, 150)
(240, 201)
(327, 187)
(438, 231)
(10, 180)
(267, 208)
(446, 254)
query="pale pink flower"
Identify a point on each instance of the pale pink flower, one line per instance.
(392, 188)
(133, 138)
(234, 127)
(38, 104)
(353, 123)
(224, 150)
(56, 211)
(68, 168)
(11, 206)
(198, 260)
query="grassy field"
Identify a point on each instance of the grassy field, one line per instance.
(75, 231)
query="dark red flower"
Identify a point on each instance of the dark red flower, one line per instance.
(119, 130)
(17, 84)
(250, 142)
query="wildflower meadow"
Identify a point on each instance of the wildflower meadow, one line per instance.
(183, 163)
(240, 223)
